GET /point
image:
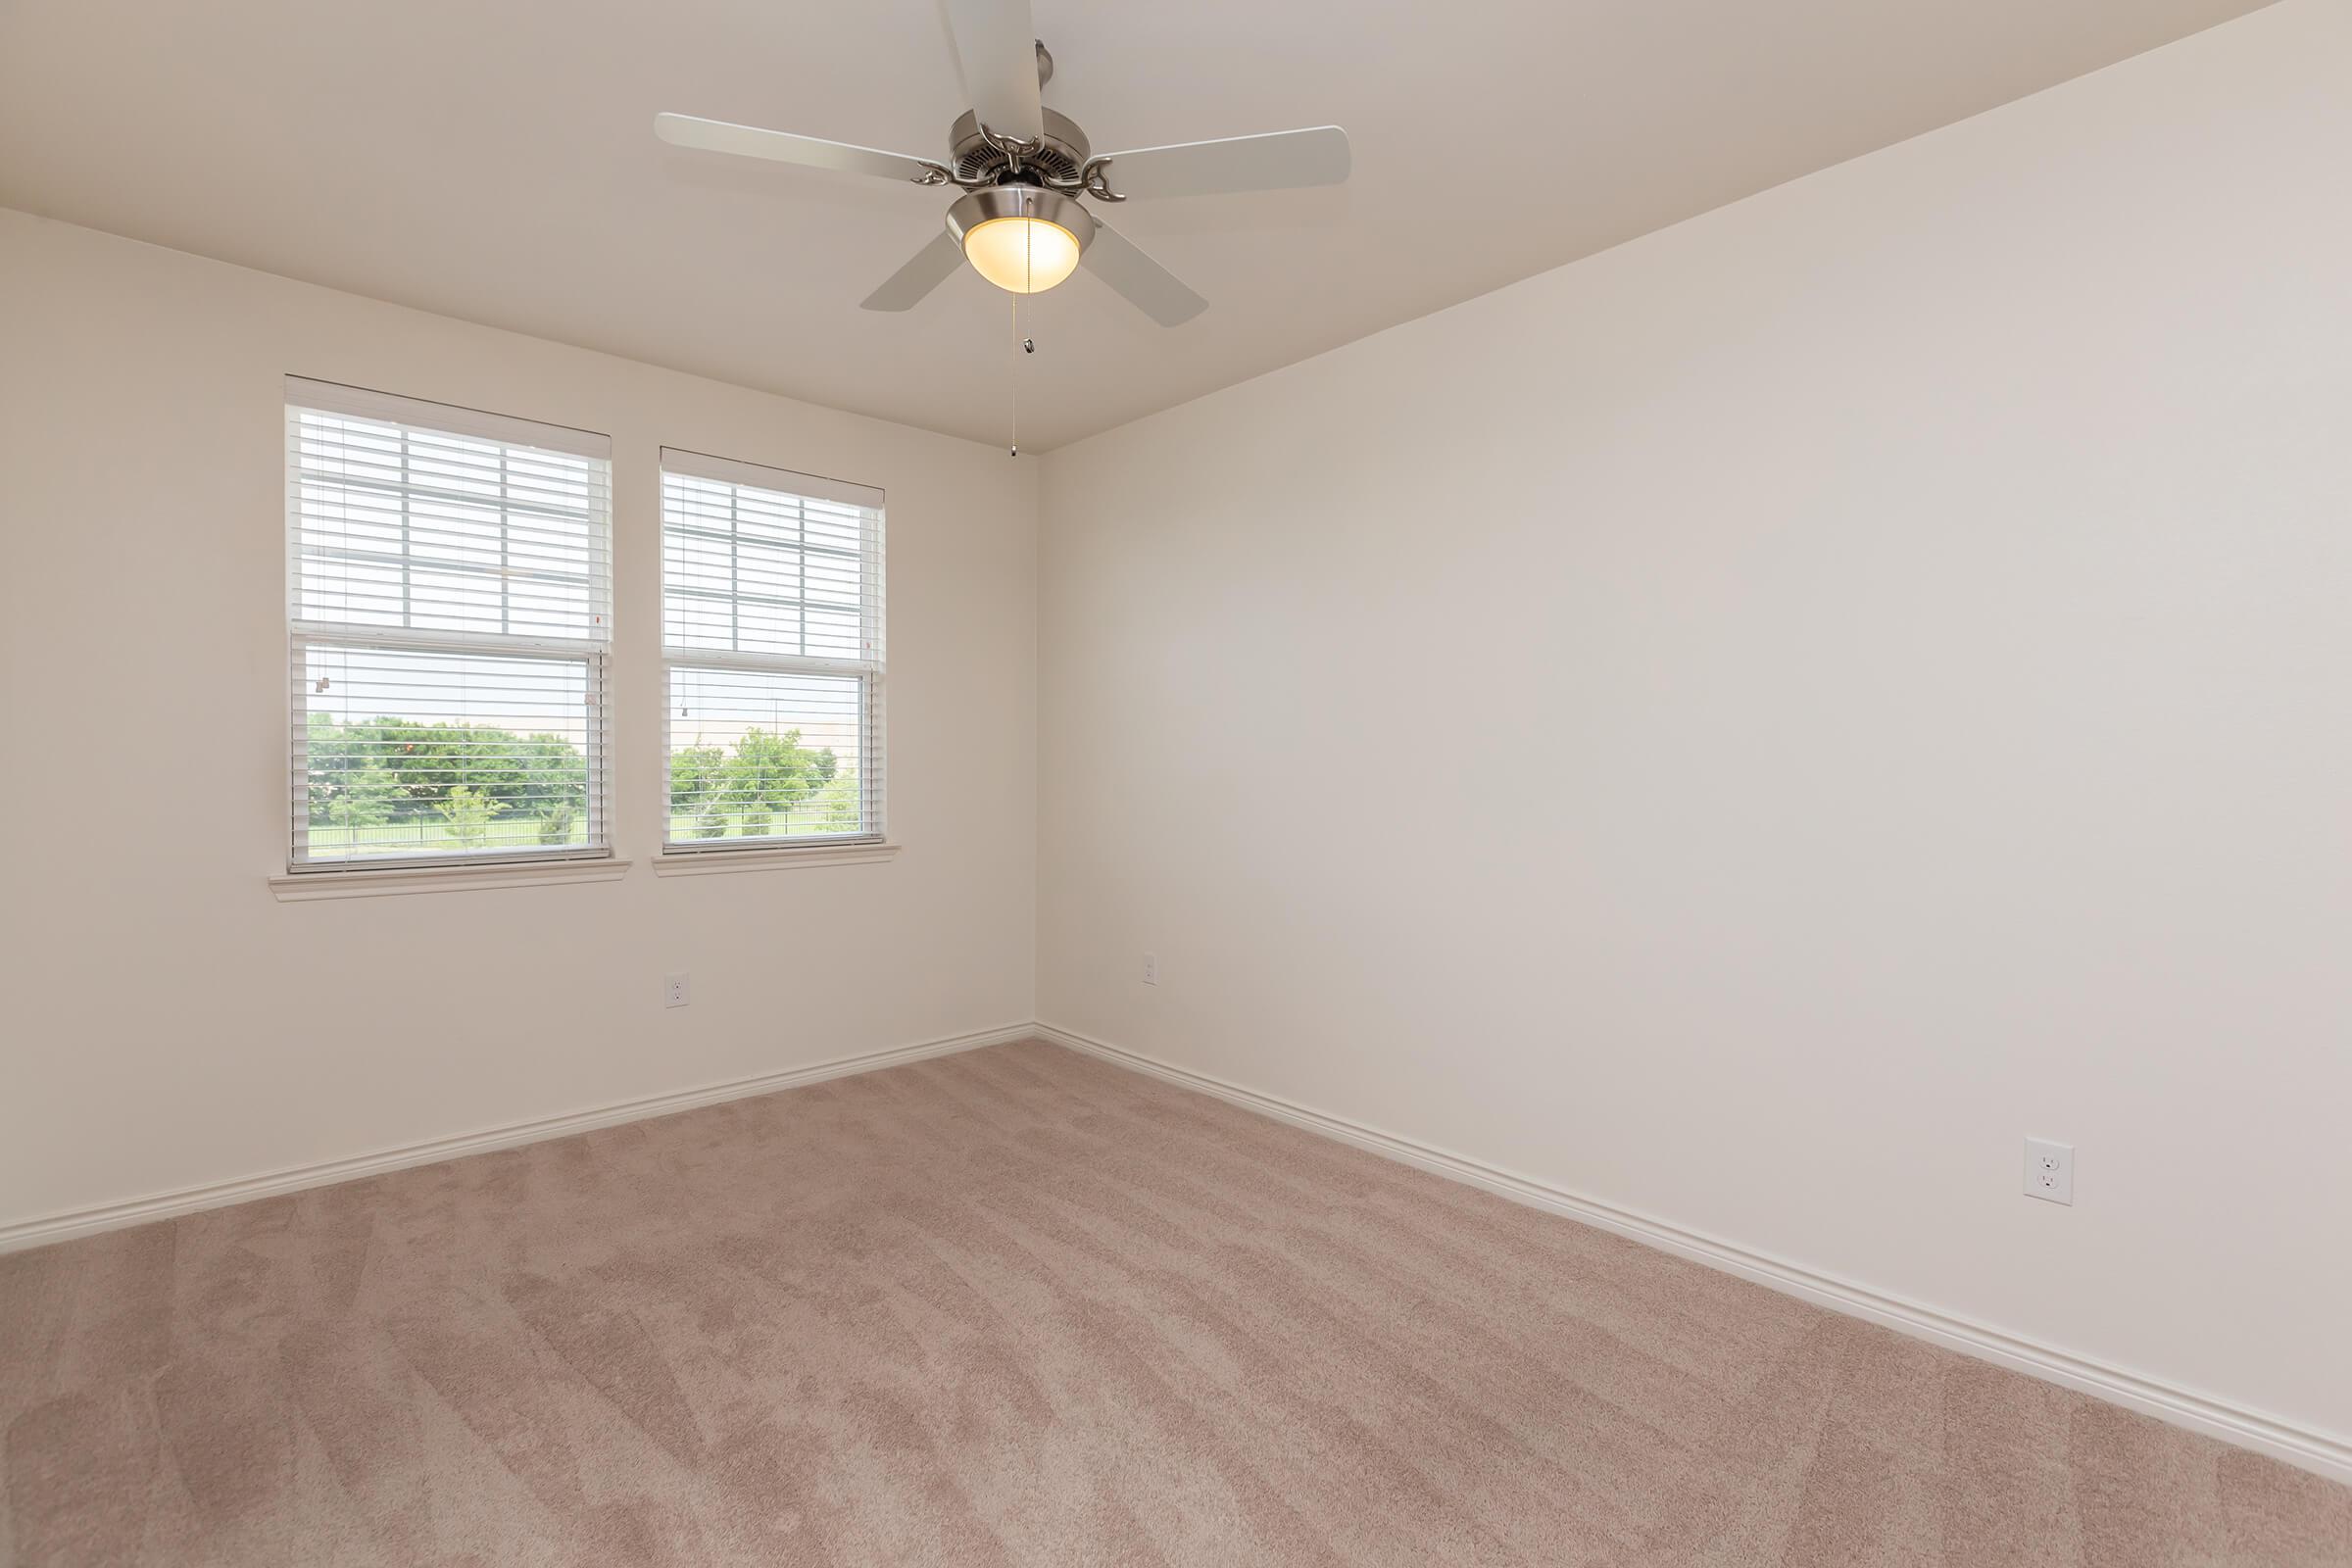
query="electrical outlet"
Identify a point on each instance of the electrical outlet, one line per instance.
(1151, 968)
(673, 991)
(2049, 1170)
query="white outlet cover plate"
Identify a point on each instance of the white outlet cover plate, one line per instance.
(675, 992)
(2049, 1171)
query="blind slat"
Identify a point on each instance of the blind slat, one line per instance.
(445, 419)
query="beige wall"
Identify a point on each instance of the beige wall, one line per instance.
(167, 1021)
(1750, 725)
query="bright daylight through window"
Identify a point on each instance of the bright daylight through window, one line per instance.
(771, 630)
(450, 610)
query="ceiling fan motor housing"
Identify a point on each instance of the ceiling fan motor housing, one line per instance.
(1061, 153)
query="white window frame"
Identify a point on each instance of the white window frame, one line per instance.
(872, 784)
(593, 654)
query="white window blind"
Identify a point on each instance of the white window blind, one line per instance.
(449, 591)
(771, 631)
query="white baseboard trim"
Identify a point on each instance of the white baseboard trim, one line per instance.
(62, 1227)
(2320, 1452)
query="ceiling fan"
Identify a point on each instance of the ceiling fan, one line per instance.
(1023, 170)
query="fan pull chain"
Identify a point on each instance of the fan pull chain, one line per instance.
(1017, 381)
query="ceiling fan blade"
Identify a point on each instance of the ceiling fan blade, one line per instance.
(749, 141)
(995, 42)
(1148, 286)
(924, 272)
(1282, 160)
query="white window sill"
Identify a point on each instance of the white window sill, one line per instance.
(298, 887)
(704, 863)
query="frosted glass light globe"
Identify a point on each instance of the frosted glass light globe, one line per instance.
(1022, 255)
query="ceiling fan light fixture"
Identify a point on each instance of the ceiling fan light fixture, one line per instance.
(1022, 255)
(1023, 238)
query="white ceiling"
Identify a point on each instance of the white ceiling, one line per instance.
(494, 159)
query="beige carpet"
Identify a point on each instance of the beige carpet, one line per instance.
(1019, 1306)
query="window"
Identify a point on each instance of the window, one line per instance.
(449, 594)
(771, 632)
